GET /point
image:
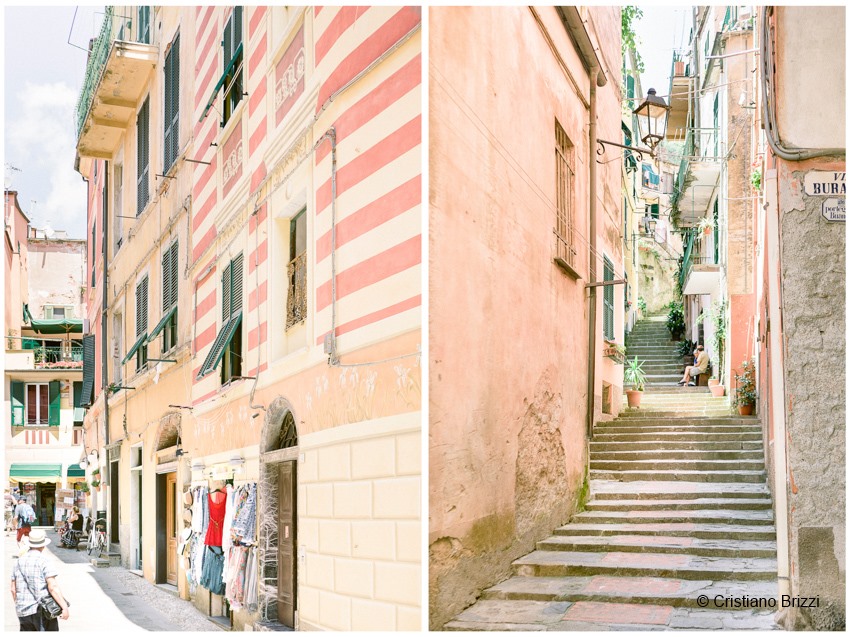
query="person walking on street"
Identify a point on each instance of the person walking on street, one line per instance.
(33, 578)
(25, 516)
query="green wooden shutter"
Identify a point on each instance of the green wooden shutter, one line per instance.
(171, 126)
(608, 300)
(166, 280)
(173, 273)
(225, 292)
(88, 370)
(236, 290)
(142, 157)
(55, 404)
(142, 307)
(17, 395)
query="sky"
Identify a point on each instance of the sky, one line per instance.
(659, 32)
(42, 76)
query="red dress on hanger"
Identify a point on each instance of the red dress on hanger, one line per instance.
(217, 504)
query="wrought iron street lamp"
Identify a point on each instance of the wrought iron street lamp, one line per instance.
(652, 125)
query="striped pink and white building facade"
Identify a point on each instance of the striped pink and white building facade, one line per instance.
(306, 223)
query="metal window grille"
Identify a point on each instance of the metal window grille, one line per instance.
(564, 222)
(296, 301)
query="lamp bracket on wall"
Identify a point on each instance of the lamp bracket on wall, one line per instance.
(636, 150)
(604, 283)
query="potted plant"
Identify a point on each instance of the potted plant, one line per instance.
(745, 389)
(633, 375)
(686, 351)
(717, 390)
(706, 225)
(676, 320)
(641, 305)
(713, 381)
(615, 352)
(83, 486)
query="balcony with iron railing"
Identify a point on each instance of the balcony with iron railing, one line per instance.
(116, 77)
(700, 274)
(25, 353)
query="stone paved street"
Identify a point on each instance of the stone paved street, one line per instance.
(110, 599)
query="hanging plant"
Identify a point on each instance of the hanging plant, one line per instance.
(95, 484)
(755, 179)
(83, 486)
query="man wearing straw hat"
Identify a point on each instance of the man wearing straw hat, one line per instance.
(33, 578)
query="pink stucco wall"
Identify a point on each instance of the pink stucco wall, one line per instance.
(508, 327)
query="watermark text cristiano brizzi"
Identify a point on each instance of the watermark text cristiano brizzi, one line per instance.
(746, 601)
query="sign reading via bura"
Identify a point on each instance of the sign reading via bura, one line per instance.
(833, 209)
(825, 182)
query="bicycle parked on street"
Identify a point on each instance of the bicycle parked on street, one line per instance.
(97, 536)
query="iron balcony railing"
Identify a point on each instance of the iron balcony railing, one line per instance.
(98, 55)
(690, 259)
(49, 353)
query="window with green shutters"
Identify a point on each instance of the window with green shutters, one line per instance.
(18, 404)
(144, 31)
(608, 300)
(79, 412)
(88, 370)
(171, 129)
(168, 323)
(232, 76)
(141, 323)
(142, 157)
(227, 346)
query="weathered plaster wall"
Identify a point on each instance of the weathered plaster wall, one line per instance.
(813, 324)
(508, 327)
(657, 279)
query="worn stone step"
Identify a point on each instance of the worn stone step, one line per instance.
(673, 388)
(673, 465)
(710, 412)
(649, 590)
(569, 563)
(677, 436)
(691, 504)
(660, 544)
(659, 490)
(671, 529)
(676, 454)
(625, 427)
(687, 476)
(756, 518)
(656, 445)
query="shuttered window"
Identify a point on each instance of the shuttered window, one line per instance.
(171, 138)
(608, 300)
(17, 403)
(228, 342)
(168, 323)
(232, 75)
(88, 370)
(565, 248)
(143, 157)
(144, 32)
(141, 323)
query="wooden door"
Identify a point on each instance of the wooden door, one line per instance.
(171, 528)
(286, 580)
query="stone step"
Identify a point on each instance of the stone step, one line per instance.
(676, 436)
(657, 445)
(675, 592)
(660, 544)
(755, 518)
(712, 412)
(659, 490)
(673, 465)
(726, 419)
(676, 454)
(570, 563)
(658, 389)
(693, 504)
(622, 427)
(688, 476)
(675, 529)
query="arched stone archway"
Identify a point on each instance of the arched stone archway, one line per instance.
(278, 456)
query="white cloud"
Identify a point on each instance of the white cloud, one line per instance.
(41, 139)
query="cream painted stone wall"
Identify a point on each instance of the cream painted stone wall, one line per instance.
(359, 526)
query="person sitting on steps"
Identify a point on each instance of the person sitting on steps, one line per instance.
(700, 367)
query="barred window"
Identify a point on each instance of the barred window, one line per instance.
(296, 299)
(565, 252)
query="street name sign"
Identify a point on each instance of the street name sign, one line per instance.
(825, 182)
(834, 209)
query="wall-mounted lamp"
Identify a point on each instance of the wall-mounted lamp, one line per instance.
(652, 125)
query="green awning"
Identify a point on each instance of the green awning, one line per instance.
(75, 471)
(35, 472)
(57, 326)
(222, 340)
(161, 324)
(27, 315)
(135, 347)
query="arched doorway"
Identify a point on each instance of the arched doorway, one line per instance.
(278, 539)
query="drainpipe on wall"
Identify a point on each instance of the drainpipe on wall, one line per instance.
(104, 354)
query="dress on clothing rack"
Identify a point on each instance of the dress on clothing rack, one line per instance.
(217, 507)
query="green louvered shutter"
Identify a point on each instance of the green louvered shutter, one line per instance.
(172, 272)
(225, 292)
(88, 370)
(142, 307)
(166, 280)
(55, 404)
(142, 157)
(608, 301)
(171, 128)
(17, 396)
(236, 289)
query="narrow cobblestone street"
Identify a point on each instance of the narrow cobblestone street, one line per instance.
(110, 599)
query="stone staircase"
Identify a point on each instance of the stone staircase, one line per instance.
(662, 363)
(679, 511)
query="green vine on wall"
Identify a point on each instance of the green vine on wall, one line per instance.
(628, 17)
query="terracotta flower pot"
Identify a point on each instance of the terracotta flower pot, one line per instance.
(717, 391)
(634, 397)
(707, 230)
(745, 410)
(713, 382)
